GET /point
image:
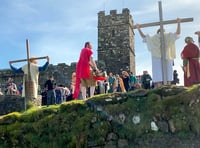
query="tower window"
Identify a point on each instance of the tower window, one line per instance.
(113, 33)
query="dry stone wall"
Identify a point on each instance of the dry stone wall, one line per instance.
(10, 104)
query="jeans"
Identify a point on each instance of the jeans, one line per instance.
(51, 98)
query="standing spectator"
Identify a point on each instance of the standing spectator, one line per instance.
(191, 66)
(58, 92)
(73, 83)
(85, 72)
(110, 80)
(126, 80)
(133, 81)
(119, 84)
(72, 87)
(50, 85)
(34, 72)
(175, 77)
(146, 80)
(139, 81)
(62, 94)
(154, 46)
(20, 88)
(44, 97)
(66, 94)
(106, 86)
(101, 78)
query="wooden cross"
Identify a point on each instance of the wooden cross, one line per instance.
(28, 83)
(161, 23)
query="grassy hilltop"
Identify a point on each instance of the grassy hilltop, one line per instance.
(109, 120)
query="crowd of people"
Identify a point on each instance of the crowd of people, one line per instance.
(54, 93)
(88, 80)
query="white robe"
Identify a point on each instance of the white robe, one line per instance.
(153, 45)
(34, 72)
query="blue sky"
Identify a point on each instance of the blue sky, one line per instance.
(59, 28)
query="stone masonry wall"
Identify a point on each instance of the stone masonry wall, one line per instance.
(116, 41)
(10, 104)
(61, 72)
(115, 53)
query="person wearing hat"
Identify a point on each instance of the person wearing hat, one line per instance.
(191, 66)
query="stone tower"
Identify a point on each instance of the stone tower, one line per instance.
(116, 42)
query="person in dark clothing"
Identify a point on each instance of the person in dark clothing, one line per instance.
(50, 86)
(44, 97)
(126, 79)
(146, 80)
(175, 77)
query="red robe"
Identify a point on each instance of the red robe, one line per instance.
(192, 75)
(82, 69)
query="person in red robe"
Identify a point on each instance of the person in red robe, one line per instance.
(191, 66)
(84, 72)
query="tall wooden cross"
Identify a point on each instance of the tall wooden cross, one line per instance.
(28, 82)
(161, 23)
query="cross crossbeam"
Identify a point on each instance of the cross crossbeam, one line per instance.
(161, 23)
(29, 90)
(183, 20)
(24, 60)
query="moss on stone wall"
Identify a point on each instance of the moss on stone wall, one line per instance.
(110, 120)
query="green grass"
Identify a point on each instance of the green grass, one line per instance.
(84, 123)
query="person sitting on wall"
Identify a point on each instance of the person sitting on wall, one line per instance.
(11, 87)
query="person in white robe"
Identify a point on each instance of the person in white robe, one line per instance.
(154, 46)
(34, 75)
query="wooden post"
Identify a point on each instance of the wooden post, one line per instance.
(162, 40)
(161, 23)
(29, 91)
(28, 83)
